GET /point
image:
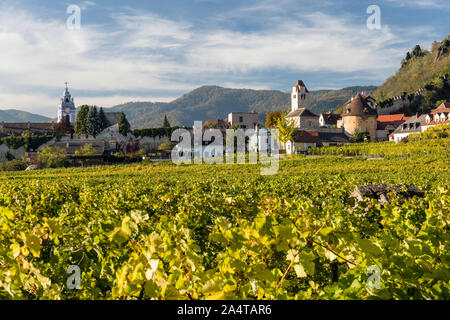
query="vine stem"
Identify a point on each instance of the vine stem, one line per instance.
(334, 252)
(292, 262)
(325, 247)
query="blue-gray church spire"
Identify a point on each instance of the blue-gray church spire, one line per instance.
(67, 107)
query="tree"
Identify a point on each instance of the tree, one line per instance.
(80, 122)
(92, 122)
(53, 157)
(14, 165)
(87, 150)
(438, 103)
(272, 119)
(124, 125)
(358, 136)
(64, 126)
(286, 128)
(166, 146)
(166, 123)
(103, 122)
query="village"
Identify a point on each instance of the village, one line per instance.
(361, 120)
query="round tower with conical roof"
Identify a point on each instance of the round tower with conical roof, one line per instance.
(359, 116)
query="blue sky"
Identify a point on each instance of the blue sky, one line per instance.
(159, 50)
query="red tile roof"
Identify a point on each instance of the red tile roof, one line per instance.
(391, 117)
(443, 108)
(300, 83)
(393, 120)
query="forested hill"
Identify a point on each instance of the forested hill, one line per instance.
(210, 102)
(13, 115)
(421, 69)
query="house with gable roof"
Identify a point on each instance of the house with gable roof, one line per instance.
(438, 116)
(386, 125)
(412, 125)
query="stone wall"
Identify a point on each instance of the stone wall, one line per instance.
(399, 102)
(152, 143)
(16, 153)
(305, 123)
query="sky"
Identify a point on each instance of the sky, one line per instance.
(156, 50)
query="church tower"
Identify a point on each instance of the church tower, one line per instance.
(67, 107)
(299, 96)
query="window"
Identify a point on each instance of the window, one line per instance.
(294, 96)
(241, 119)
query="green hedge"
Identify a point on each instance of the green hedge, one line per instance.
(33, 142)
(154, 132)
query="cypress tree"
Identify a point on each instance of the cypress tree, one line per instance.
(124, 125)
(103, 122)
(80, 122)
(92, 122)
(166, 123)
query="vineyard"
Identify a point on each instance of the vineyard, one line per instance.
(161, 231)
(430, 146)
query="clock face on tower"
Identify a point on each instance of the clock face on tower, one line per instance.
(67, 110)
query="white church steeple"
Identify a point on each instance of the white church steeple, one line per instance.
(299, 96)
(67, 107)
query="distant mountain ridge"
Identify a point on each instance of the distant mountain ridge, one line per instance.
(208, 103)
(211, 102)
(13, 115)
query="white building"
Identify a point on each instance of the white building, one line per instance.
(299, 96)
(329, 120)
(302, 141)
(67, 107)
(300, 114)
(440, 115)
(412, 125)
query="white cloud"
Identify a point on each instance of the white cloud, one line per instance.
(315, 42)
(144, 52)
(151, 31)
(34, 103)
(428, 4)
